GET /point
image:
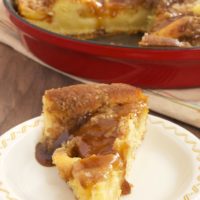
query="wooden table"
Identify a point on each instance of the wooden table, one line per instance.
(22, 84)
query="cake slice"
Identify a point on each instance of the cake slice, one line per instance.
(100, 126)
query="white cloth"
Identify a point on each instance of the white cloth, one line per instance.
(182, 104)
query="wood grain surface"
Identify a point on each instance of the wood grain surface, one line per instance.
(22, 84)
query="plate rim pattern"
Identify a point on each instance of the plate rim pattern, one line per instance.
(11, 135)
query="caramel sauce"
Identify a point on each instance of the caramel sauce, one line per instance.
(95, 138)
(126, 187)
(95, 168)
(43, 153)
(100, 10)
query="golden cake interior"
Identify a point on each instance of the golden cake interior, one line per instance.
(100, 126)
(165, 23)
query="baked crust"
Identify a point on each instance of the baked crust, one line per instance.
(82, 98)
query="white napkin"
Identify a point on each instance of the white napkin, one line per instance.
(182, 104)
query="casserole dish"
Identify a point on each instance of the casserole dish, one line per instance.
(111, 59)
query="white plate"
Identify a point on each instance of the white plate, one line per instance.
(167, 166)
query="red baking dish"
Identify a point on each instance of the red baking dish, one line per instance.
(102, 61)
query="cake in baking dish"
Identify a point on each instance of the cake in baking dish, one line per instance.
(93, 131)
(163, 22)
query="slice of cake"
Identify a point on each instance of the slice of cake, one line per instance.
(99, 126)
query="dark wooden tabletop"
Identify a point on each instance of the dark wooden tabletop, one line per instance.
(22, 84)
